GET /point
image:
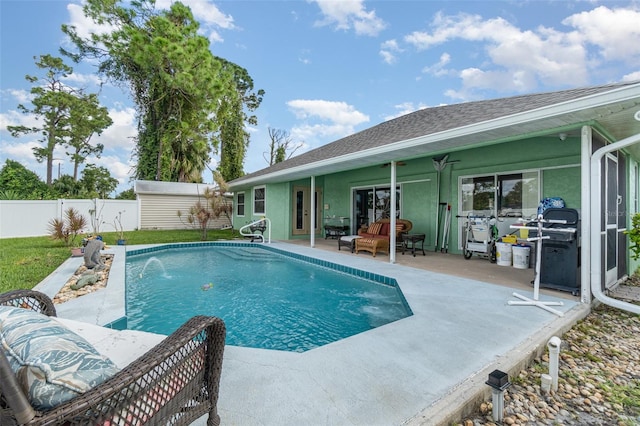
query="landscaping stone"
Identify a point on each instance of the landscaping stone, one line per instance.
(599, 378)
(67, 293)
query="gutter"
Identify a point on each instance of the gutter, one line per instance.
(570, 107)
(596, 216)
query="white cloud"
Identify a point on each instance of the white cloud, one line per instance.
(336, 119)
(117, 169)
(83, 25)
(21, 96)
(350, 14)
(121, 133)
(439, 69)
(517, 59)
(117, 140)
(315, 132)
(616, 32)
(17, 118)
(404, 109)
(20, 151)
(475, 79)
(304, 56)
(634, 76)
(210, 17)
(84, 79)
(204, 11)
(337, 112)
(388, 51)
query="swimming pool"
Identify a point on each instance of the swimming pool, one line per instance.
(268, 298)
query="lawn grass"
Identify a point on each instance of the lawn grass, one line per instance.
(25, 262)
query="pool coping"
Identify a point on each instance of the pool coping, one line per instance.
(389, 375)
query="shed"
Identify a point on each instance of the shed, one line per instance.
(161, 201)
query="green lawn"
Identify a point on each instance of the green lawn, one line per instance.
(24, 262)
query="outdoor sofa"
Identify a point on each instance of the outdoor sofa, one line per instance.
(376, 236)
(176, 382)
(381, 229)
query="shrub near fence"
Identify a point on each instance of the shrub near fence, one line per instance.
(30, 218)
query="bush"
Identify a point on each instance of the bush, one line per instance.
(634, 237)
(68, 228)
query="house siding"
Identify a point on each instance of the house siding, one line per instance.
(558, 163)
(161, 212)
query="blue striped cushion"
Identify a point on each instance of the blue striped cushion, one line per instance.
(52, 364)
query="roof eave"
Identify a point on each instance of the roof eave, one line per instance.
(382, 153)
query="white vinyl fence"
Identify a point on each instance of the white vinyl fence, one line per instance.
(156, 207)
(30, 218)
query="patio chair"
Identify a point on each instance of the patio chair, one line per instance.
(176, 382)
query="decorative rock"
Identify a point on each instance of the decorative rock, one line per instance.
(85, 280)
(604, 349)
(66, 293)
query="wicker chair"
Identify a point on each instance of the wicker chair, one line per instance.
(147, 391)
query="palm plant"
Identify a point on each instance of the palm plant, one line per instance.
(68, 228)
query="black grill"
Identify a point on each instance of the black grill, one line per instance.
(560, 261)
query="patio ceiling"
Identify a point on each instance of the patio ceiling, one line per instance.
(614, 113)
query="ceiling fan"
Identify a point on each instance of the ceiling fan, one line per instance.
(398, 163)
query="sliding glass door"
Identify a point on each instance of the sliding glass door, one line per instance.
(373, 203)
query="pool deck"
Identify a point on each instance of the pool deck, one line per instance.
(427, 369)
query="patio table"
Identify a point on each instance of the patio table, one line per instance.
(413, 239)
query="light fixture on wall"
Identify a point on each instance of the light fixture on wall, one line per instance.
(562, 136)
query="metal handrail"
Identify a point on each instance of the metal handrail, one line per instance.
(255, 235)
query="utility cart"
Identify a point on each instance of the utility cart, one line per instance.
(479, 236)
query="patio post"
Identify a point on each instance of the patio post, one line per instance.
(392, 224)
(312, 240)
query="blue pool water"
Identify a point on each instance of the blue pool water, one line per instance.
(268, 298)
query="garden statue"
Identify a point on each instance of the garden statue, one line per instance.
(92, 259)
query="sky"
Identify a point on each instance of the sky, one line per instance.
(331, 68)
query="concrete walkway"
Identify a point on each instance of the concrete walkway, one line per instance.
(422, 370)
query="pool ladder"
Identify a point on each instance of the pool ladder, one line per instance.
(262, 224)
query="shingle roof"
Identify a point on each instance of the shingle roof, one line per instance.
(430, 121)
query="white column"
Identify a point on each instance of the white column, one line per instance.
(312, 240)
(586, 145)
(392, 223)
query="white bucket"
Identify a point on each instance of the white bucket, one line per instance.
(503, 254)
(521, 256)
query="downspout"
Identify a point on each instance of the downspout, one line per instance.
(392, 223)
(596, 265)
(313, 212)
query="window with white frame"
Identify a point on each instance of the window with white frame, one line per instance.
(259, 198)
(501, 195)
(240, 204)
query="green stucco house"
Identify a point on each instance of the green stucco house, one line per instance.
(495, 157)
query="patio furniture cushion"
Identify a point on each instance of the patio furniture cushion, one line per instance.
(375, 228)
(372, 245)
(380, 229)
(52, 364)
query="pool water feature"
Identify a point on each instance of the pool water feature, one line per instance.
(268, 298)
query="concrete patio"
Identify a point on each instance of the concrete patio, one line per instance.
(426, 369)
